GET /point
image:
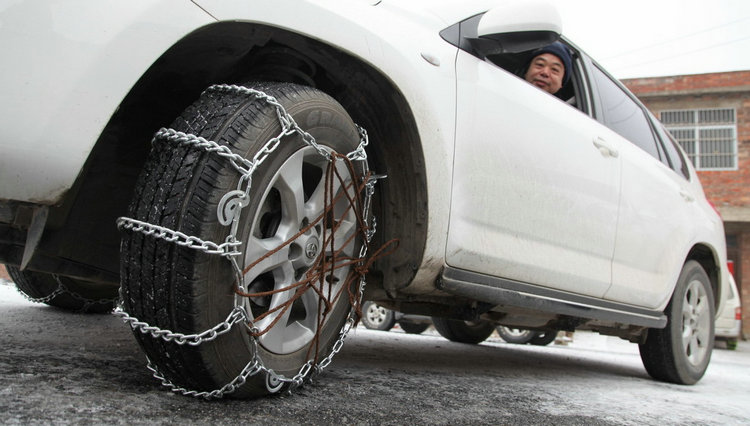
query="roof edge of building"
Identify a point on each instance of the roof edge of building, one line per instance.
(692, 92)
(690, 84)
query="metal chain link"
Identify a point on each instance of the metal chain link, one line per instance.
(228, 212)
(187, 139)
(237, 315)
(179, 238)
(62, 289)
(250, 369)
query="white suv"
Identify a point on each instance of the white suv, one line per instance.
(206, 130)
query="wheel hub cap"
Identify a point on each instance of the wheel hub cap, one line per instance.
(311, 249)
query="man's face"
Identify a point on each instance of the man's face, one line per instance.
(546, 72)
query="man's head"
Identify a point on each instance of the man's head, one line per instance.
(549, 68)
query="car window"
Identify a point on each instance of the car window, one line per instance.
(676, 158)
(623, 115)
(572, 93)
(464, 34)
(518, 63)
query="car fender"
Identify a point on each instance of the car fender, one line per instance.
(68, 62)
(403, 43)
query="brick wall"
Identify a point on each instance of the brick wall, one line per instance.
(733, 188)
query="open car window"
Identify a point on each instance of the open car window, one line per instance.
(572, 93)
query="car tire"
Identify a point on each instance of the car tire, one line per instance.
(463, 331)
(188, 291)
(73, 294)
(376, 317)
(543, 338)
(515, 335)
(413, 327)
(680, 352)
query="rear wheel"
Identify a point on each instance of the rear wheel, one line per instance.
(189, 291)
(515, 335)
(63, 292)
(680, 352)
(471, 332)
(376, 317)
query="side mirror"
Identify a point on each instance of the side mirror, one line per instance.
(517, 27)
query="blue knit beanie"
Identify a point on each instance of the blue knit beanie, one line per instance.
(558, 49)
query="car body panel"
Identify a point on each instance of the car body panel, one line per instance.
(523, 207)
(663, 215)
(650, 205)
(654, 204)
(105, 47)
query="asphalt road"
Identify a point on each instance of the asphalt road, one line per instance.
(63, 368)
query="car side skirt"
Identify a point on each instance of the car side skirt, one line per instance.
(504, 292)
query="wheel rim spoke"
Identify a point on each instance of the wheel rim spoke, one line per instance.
(291, 188)
(342, 241)
(696, 323)
(297, 199)
(288, 334)
(701, 307)
(297, 325)
(258, 248)
(316, 204)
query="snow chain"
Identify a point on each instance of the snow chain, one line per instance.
(228, 212)
(63, 290)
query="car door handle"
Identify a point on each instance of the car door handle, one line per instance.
(605, 148)
(687, 196)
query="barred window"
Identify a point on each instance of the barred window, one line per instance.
(708, 136)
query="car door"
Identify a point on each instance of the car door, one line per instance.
(655, 204)
(533, 197)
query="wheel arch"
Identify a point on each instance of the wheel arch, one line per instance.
(708, 259)
(234, 52)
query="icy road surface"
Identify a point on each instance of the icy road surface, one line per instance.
(65, 368)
